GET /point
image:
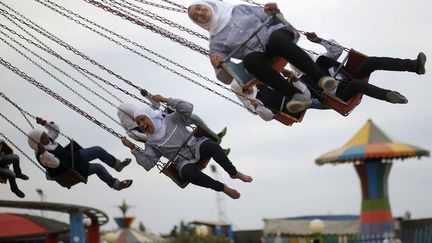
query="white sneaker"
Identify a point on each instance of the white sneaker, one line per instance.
(327, 83)
(299, 102)
(396, 98)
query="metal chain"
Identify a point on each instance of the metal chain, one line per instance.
(43, 44)
(254, 3)
(23, 112)
(175, 4)
(60, 81)
(19, 149)
(75, 66)
(145, 49)
(159, 18)
(181, 10)
(152, 27)
(74, 50)
(32, 116)
(63, 100)
(56, 68)
(304, 33)
(57, 97)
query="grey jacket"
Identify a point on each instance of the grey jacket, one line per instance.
(177, 135)
(245, 20)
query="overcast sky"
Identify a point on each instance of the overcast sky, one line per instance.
(287, 182)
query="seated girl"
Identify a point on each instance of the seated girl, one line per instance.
(58, 160)
(7, 157)
(231, 25)
(350, 87)
(169, 137)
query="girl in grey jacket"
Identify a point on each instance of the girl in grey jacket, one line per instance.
(231, 25)
(168, 136)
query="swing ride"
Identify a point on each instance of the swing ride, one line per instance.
(135, 14)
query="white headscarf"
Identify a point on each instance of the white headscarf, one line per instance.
(221, 15)
(125, 113)
(156, 118)
(238, 89)
(34, 138)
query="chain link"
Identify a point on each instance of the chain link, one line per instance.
(57, 97)
(43, 44)
(23, 112)
(61, 82)
(181, 10)
(74, 50)
(159, 18)
(56, 68)
(145, 49)
(40, 86)
(175, 4)
(152, 27)
(304, 33)
(19, 149)
(75, 66)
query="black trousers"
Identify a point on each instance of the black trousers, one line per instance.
(280, 44)
(371, 64)
(208, 149)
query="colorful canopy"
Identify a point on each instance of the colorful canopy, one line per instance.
(370, 143)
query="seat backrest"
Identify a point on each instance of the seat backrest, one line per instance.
(171, 171)
(287, 119)
(355, 59)
(69, 179)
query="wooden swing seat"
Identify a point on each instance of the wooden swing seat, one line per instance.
(170, 170)
(71, 177)
(353, 60)
(241, 76)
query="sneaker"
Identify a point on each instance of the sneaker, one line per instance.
(124, 184)
(22, 177)
(123, 164)
(298, 102)
(222, 133)
(396, 98)
(18, 192)
(420, 63)
(227, 151)
(327, 83)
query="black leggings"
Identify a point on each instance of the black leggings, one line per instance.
(208, 149)
(368, 66)
(280, 44)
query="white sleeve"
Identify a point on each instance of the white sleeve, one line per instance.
(49, 160)
(145, 159)
(53, 130)
(264, 113)
(332, 51)
(247, 103)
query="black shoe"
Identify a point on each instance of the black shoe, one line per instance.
(420, 63)
(227, 151)
(22, 177)
(124, 184)
(123, 164)
(396, 98)
(19, 193)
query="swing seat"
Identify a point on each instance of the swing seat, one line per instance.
(353, 61)
(240, 74)
(171, 171)
(71, 177)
